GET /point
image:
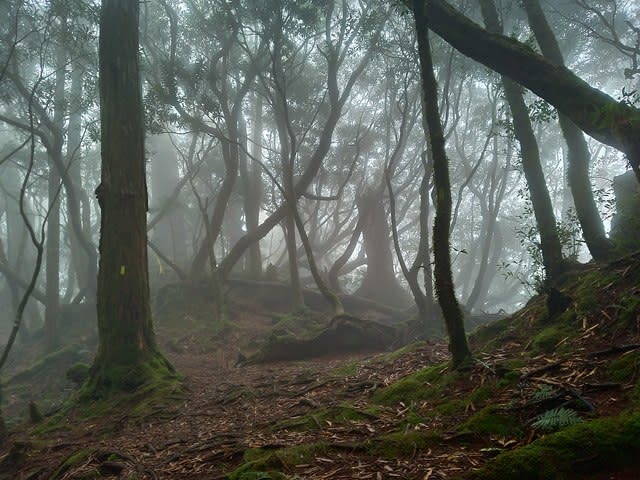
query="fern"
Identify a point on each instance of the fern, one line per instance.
(543, 393)
(556, 419)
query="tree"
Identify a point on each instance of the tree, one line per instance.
(593, 111)
(578, 155)
(451, 311)
(127, 354)
(523, 131)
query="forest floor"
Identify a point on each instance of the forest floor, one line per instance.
(401, 414)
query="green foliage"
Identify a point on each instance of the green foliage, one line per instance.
(543, 393)
(541, 111)
(556, 419)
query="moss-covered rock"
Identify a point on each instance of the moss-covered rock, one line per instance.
(599, 445)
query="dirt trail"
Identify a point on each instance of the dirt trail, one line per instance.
(228, 409)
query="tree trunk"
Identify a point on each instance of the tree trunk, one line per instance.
(379, 282)
(540, 200)
(433, 128)
(84, 265)
(578, 150)
(593, 111)
(253, 192)
(53, 225)
(169, 234)
(127, 353)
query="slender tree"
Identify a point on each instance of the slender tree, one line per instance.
(127, 353)
(451, 311)
(579, 156)
(531, 166)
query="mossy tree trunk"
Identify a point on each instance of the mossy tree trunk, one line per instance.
(538, 191)
(445, 292)
(578, 150)
(127, 353)
(592, 110)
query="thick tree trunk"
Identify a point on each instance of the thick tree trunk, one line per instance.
(523, 130)
(451, 312)
(127, 353)
(379, 282)
(578, 150)
(593, 111)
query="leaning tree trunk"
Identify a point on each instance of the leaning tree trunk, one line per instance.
(523, 131)
(578, 150)
(127, 353)
(592, 110)
(433, 128)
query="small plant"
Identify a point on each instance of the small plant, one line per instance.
(555, 419)
(543, 393)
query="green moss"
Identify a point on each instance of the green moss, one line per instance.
(509, 379)
(487, 334)
(401, 352)
(599, 445)
(260, 461)
(629, 313)
(78, 373)
(346, 370)
(452, 407)
(491, 421)
(625, 368)
(481, 394)
(315, 420)
(547, 339)
(67, 355)
(586, 297)
(71, 461)
(425, 384)
(402, 444)
(107, 378)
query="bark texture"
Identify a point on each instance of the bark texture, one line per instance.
(127, 354)
(445, 292)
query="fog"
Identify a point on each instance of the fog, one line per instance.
(285, 144)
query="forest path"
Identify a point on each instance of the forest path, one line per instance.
(228, 410)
